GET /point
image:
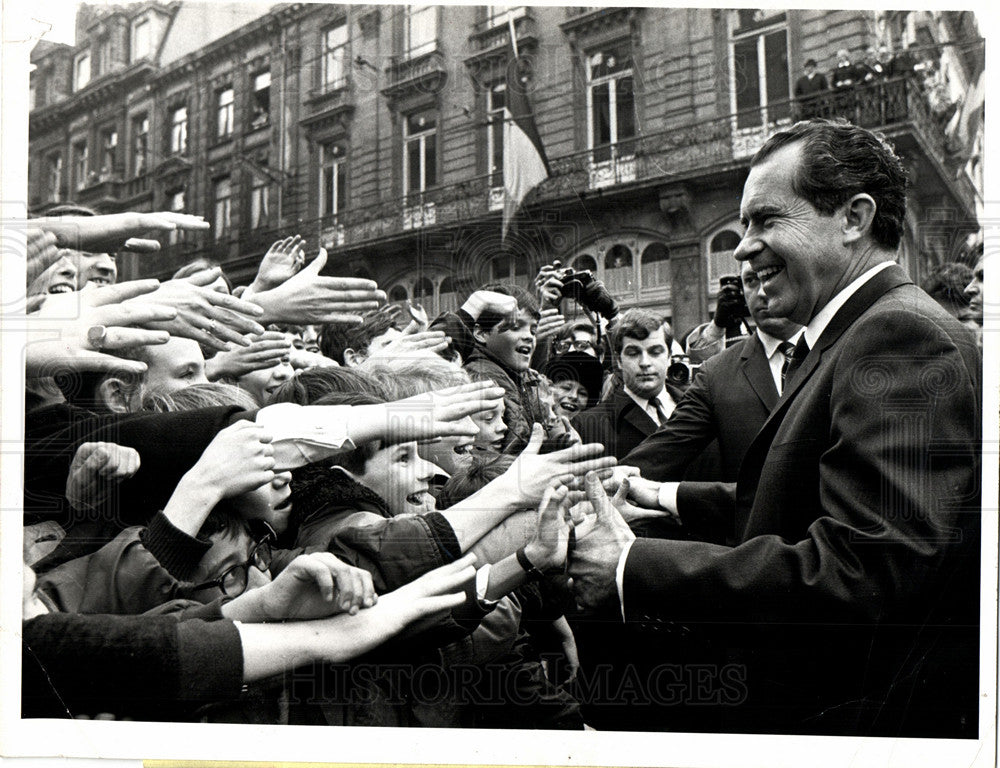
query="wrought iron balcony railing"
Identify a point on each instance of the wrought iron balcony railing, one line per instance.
(894, 106)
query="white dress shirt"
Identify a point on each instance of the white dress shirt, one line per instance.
(666, 402)
(302, 434)
(772, 352)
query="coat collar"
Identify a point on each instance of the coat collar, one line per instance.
(627, 410)
(868, 294)
(880, 284)
(755, 367)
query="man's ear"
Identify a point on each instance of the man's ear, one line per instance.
(480, 334)
(353, 358)
(859, 213)
(114, 393)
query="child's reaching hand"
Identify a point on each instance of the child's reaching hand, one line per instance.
(96, 469)
(239, 459)
(312, 586)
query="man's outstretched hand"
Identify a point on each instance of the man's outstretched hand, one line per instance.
(593, 563)
(117, 231)
(308, 298)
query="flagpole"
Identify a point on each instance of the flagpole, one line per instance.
(513, 35)
(513, 44)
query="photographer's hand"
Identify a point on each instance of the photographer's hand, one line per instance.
(598, 299)
(729, 307)
(548, 285)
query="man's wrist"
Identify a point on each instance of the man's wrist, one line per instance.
(538, 556)
(366, 423)
(533, 559)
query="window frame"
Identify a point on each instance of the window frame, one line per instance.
(176, 236)
(137, 24)
(80, 83)
(222, 206)
(225, 113)
(334, 164)
(420, 139)
(54, 191)
(611, 80)
(761, 32)
(328, 58)
(410, 12)
(81, 164)
(140, 126)
(255, 108)
(494, 133)
(109, 151)
(260, 190)
(178, 136)
(499, 18)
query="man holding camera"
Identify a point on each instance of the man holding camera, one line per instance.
(727, 328)
(728, 401)
(644, 401)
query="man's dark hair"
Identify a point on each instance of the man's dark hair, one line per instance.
(334, 338)
(636, 324)
(840, 160)
(810, 62)
(567, 331)
(525, 303)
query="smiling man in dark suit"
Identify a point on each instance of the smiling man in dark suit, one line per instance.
(852, 589)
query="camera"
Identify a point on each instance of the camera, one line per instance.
(681, 370)
(574, 284)
(731, 289)
(585, 289)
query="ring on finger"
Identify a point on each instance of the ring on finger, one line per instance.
(97, 336)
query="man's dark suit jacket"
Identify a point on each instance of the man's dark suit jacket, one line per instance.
(618, 422)
(853, 596)
(728, 400)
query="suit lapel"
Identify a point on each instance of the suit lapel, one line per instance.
(631, 413)
(868, 294)
(755, 367)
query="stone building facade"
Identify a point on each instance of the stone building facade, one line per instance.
(371, 130)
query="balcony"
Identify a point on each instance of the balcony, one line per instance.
(490, 38)
(406, 75)
(329, 103)
(898, 108)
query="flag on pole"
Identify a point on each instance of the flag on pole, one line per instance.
(524, 162)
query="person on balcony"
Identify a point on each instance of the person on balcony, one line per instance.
(808, 91)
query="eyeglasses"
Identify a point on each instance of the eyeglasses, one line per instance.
(233, 581)
(580, 345)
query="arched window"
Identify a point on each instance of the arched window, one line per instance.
(423, 293)
(618, 270)
(398, 293)
(510, 268)
(583, 262)
(447, 298)
(720, 258)
(655, 267)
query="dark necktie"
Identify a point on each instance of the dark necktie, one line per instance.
(794, 355)
(661, 417)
